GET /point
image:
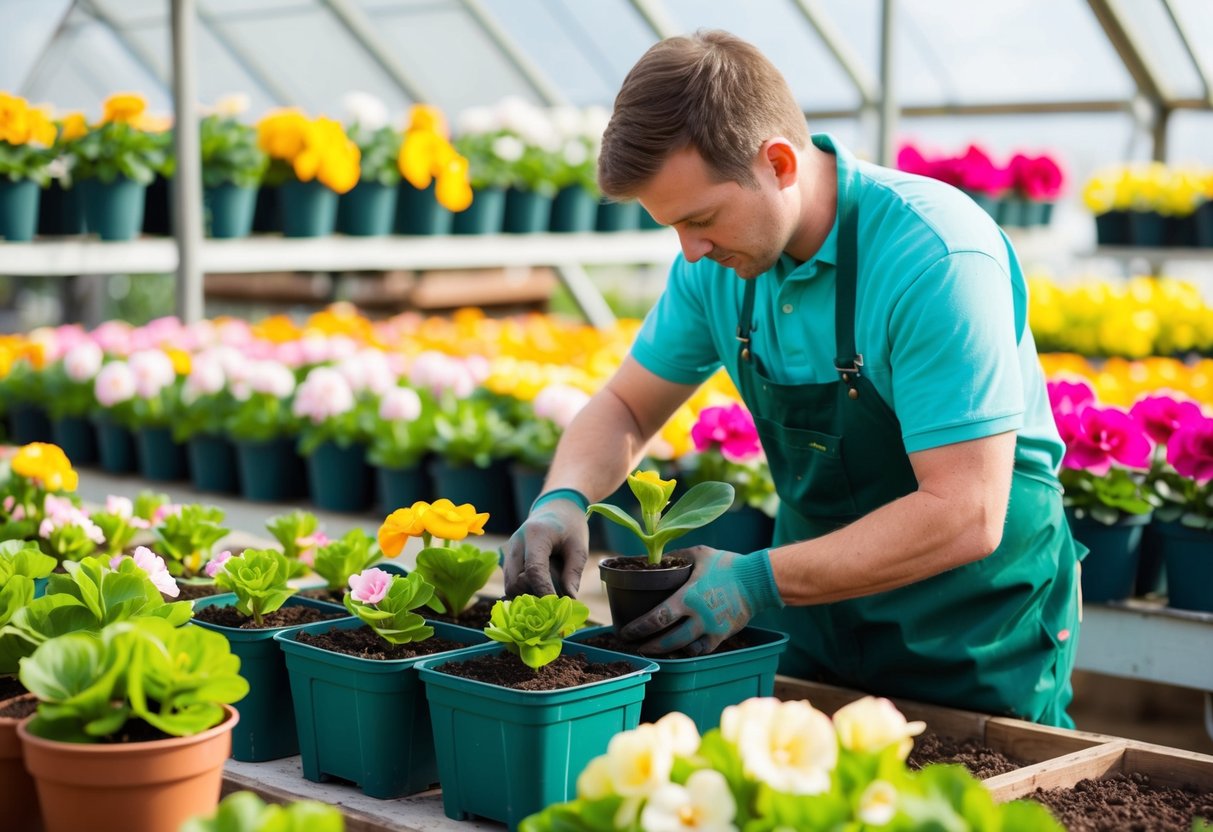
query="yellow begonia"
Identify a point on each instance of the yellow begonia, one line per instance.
(21, 124)
(447, 521)
(282, 134)
(400, 525)
(426, 155)
(46, 465)
(123, 107)
(72, 126)
(277, 329)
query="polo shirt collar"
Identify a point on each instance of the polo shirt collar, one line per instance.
(828, 253)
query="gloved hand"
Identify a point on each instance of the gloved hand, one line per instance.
(724, 592)
(548, 552)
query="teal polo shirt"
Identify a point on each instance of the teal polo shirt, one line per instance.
(940, 319)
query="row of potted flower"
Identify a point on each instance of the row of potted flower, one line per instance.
(1151, 204)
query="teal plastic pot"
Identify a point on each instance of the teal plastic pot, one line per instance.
(29, 423)
(77, 436)
(744, 529)
(266, 730)
(1204, 225)
(401, 487)
(573, 209)
(418, 211)
(1151, 574)
(482, 732)
(113, 209)
(267, 218)
(1011, 211)
(363, 720)
(1112, 228)
(1034, 213)
(526, 212)
(1109, 572)
(19, 209)
(986, 202)
(704, 686)
(484, 215)
(212, 464)
(160, 458)
(309, 209)
(1188, 555)
(1145, 229)
(618, 216)
(339, 478)
(60, 211)
(526, 483)
(115, 447)
(488, 489)
(229, 210)
(270, 470)
(368, 210)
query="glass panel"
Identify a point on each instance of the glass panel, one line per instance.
(1188, 139)
(1163, 49)
(28, 26)
(1196, 17)
(123, 12)
(254, 8)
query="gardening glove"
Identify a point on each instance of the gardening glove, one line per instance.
(724, 592)
(548, 552)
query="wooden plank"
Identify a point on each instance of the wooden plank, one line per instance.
(1170, 766)
(1059, 772)
(1034, 743)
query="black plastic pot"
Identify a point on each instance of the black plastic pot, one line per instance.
(633, 592)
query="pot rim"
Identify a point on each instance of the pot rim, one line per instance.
(226, 724)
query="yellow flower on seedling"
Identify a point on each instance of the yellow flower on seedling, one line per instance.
(878, 803)
(454, 190)
(871, 724)
(447, 521)
(46, 465)
(72, 126)
(427, 117)
(277, 329)
(122, 107)
(400, 525)
(650, 479)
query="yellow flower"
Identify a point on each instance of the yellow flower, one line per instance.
(277, 329)
(400, 525)
(454, 190)
(72, 126)
(180, 359)
(123, 107)
(47, 465)
(416, 157)
(447, 521)
(639, 761)
(282, 134)
(428, 118)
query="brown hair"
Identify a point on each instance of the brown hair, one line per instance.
(711, 91)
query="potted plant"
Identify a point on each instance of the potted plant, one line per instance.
(186, 536)
(70, 400)
(528, 697)
(363, 667)
(780, 765)
(207, 404)
(435, 177)
(312, 162)
(60, 210)
(153, 409)
(246, 812)
(36, 472)
(115, 162)
(133, 726)
(337, 560)
(263, 429)
(232, 168)
(119, 524)
(470, 452)
(258, 605)
(575, 206)
(369, 209)
(489, 169)
(401, 435)
(335, 428)
(114, 389)
(23, 389)
(634, 585)
(26, 152)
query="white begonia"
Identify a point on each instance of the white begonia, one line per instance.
(475, 121)
(206, 376)
(153, 371)
(872, 724)
(271, 378)
(594, 782)
(704, 804)
(325, 393)
(365, 109)
(508, 148)
(399, 404)
(790, 746)
(575, 152)
(878, 803)
(566, 121)
(512, 113)
(679, 733)
(114, 384)
(83, 361)
(232, 105)
(639, 761)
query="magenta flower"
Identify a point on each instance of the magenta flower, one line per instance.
(731, 429)
(911, 160)
(976, 171)
(370, 585)
(1038, 178)
(1095, 437)
(1069, 397)
(1161, 416)
(1190, 450)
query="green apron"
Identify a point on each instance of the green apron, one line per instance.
(997, 635)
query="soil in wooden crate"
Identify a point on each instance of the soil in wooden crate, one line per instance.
(282, 617)
(610, 641)
(19, 708)
(10, 686)
(476, 616)
(982, 761)
(508, 671)
(1126, 803)
(367, 644)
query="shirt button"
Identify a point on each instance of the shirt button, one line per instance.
(787, 309)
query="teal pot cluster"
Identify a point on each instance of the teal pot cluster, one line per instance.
(401, 487)
(229, 210)
(339, 477)
(363, 720)
(29, 423)
(484, 215)
(483, 733)
(19, 209)
(740, 529)
(115, 447)
(77, 436)
(418, 211)
(618, 216)
(60, 211)
(160, 458)
(113, 209)
(526, 211)
(270, 470)
(212, 464)
(309, 209)
(369, 210)
(1109, 571)
(1188, 558)
(573, 209)
(488, 489)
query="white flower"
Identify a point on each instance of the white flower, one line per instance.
(119, 506)
(678, 731)
(367, 369)
(83, 361)
(566, 121)
(790, 746)
(872, 724)
(365, 109)
(153, 565)
(704, 803)
(559, 403)
(475, 121)
(272, 378)
(594, 782)
(115, 383)
(878, 803)
(508, 148)
(153, 371)
(575, 152)
(399, 404)
(232, 105)
(324, 394)
(639, 761)
(206, 376)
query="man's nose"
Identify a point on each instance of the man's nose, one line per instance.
(693, 246)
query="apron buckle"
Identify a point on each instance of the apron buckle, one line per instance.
(849, 372)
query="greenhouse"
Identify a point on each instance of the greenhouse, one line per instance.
(593, 415)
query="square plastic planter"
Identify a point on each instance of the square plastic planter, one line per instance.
(266, 730)
(363, 720)
(703, 686)
(504, 754)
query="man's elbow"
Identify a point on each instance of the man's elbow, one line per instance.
(985, 531)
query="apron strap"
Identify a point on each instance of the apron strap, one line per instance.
(745, 323)
(848, 362)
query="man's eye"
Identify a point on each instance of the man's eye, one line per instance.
(698, 223)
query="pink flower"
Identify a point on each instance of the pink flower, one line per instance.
(976, 171)
(115, 384)
(206, 376)
(911, 160)
(370, 585)
(119, 506)
(83, 361)
(399, 404)
(1095, 437)
(560, 403)
(323, 395)
(153, 371)
(114, 337)
(1069, 396)
(215, 565)
(165, 510)
(307, 547)
(1037, 178)
(731, 429)
(1190, 450)
(272, 378)
(153, 565)
(1161, 416)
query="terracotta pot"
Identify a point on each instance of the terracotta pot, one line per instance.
(128, 787)
(18, 802)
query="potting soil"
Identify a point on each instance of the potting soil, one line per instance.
(507, 670)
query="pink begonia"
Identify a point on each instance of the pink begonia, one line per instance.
(65, 339)
(399, 404)
(114, 337)
(1095, 437)
(153, 371)
(323, 395)
(59, 512)
(215, 565)
(911, 160)
(367, 370)
(83, 361)
(341, 346)
(206, 376)
(115, 384)
(731, 429)
(290, 354)
(1161, 416)
(154, 566)
(272, 378)
(165, 510)
(1037, 178)
(234, 332)
(1069, 396)
(314, 348)
(307, 547)
(1190, 450)
(478, 367)
(370, 586)
(438, 372)
(560, 403)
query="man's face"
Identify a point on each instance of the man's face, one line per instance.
(742, 228)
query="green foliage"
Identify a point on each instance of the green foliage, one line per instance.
(393, 617)
(457, 574)
(296, 531)
(230, 154)
(22, 558)
(119, 531)
(90, 684)
(245, 812)
(21, 563)
(380, 149)
(261, 417)
(147, 503)
(117, 149)
(349, 555)
(69, 542)
(26, 162)
(1180, 498)
(345, 429)
(471, 431)
(1105, 498)
(533, 443)
(699, 506)
(751, 480)
(186, 538)
(485, 168)
(203, 415)
(258, 577)
(399, 444)
(65, 396)
(534, 628)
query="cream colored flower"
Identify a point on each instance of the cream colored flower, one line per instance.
(594, 782)
(870, 724)
(639, 761)
(679, 733)
(704, 803)
(878, 803)
(790, 746)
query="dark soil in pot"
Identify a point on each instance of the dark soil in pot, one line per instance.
(981, 760)
(323, 593)
(476, 616)
(366, 644)
(610, 641)
(11, 686)
(634, 586)
(1125, 803)
(643, 565)
(18, 708)
(282, 617)
(507, 670)
(136, 730)
(190, 592)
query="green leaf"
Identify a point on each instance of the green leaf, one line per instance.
(338, 560)
(259, 579)
(456, 573)
(534, 628)
(393, 617)
(618, 515)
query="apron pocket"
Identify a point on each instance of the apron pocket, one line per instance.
(808, 469)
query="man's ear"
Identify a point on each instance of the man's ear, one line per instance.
(782, 160)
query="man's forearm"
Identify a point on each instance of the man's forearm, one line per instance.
(598, 449)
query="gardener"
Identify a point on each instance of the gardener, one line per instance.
(875, 324)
